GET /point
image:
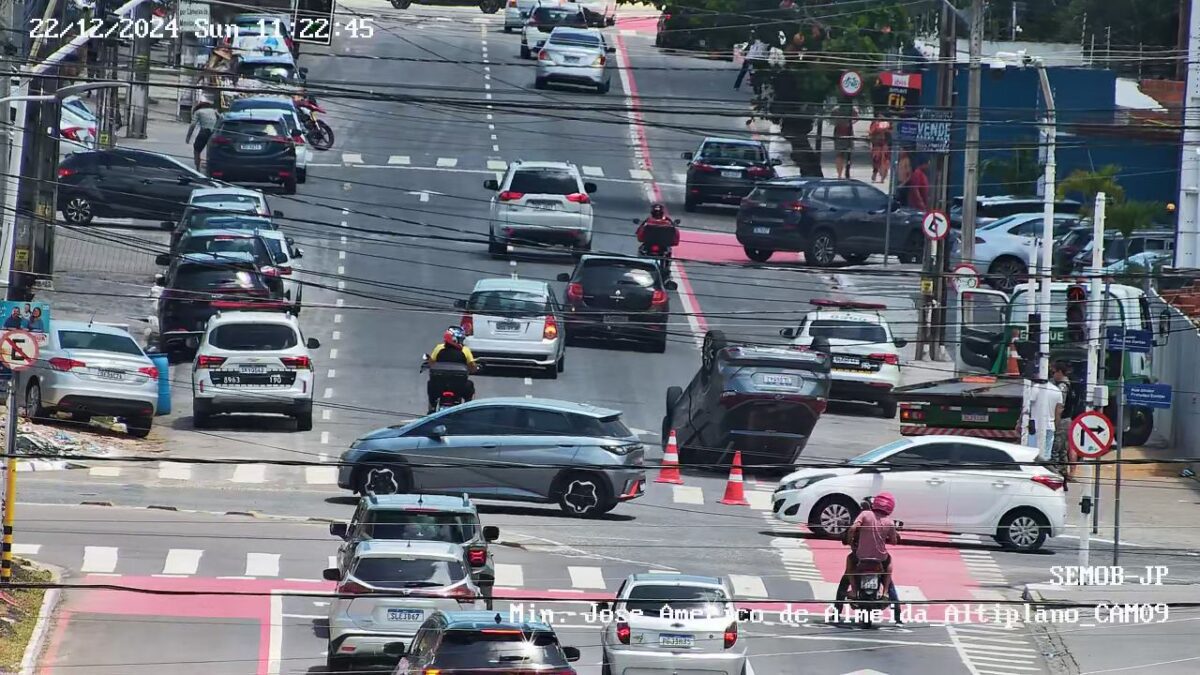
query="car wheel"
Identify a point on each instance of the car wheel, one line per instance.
(302, 175)
(821, 249)
(289, 185)
(1141, 424)
(508, 29)
(1005, 273)
(1023, 530)
(139, 427)
(77, 210)
(690, 204)
(714, 341)
(539, 83)
(525, 54)
(855, 258)
(605, 669)
(201, 414)
(337, 664)
(673, 396)
(658, 344)
(551, 371)
(887, 409)
(761, 255)
(603, 87)
(562, 363)
(584, 495)
(362, 476)
(304, 421)
(34, 408)
(496, 247)
(832, 516)
(914, 249)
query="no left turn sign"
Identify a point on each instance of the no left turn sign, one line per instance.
(935, 225)
(1091, 434)
(18, 350)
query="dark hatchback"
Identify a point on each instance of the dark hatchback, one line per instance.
(198, 285)
(724, 170)
(200, 218)
(763, 401)
(617, 297)
(543, 20)
(253, 148)
(125, 183)
(477, 643)
(825, 218)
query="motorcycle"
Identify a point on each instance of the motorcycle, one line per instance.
(318, 133)
(871, 594)
(451, 377)
(657, 251)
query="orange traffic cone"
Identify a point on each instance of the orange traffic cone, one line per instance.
(669, 473)
(735, 494)
(1014, 359)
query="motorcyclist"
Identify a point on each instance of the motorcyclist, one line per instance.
(868, 537)
(452, 350)
(658, 230)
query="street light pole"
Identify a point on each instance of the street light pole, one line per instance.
(971, 152)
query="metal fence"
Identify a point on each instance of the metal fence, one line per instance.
(1178, 364)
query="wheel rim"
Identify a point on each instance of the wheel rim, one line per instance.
(1024, 531)
(823, 249)
(1009, 272)
(78, 210)
(33, 399)
(581, 496)
(381, 478)
(835, 518)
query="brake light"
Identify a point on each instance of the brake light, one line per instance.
(1052, 482)
(731, 635)
(579, 198)
(544, 55)
(72, 133)
(623, 632)
(911, 415)
(298, 139)
(432, 671)
(510, 196)
(63, 364)
(477, 557)
(599, 61)
(284, 271)
(63, 172)
(796, 206)
(352, 588)
(703, 167)
(889, 359)
(297, 362)
(278, 139)
(468, 324)
(149, 371)
(512, 3)
(659, 298)
(759, 171)
(220, 140)
(210, 361)
(550, 331)
(575, 291)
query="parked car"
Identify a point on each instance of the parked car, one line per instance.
(125, 183)
(575, 56)
(516, 13)
(579, 456)
(474, 642)
(991, 494)
(598, 13)
(205, 218)
(619, 297)
(233, 198)
(540, 204)
(454, 520)
(254, 147)
(1005, 248)
(764, 401)
(77, 125)
(269, 106)
(825, 218)
(724, 170)
(93, 370)
(515, 322)
(542, 20)
(1069, 245)
(1118, 248)
(996, 207)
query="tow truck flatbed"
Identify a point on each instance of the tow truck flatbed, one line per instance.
(983, 406)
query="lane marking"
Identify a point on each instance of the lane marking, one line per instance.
(324, 438)
(337, 318)
(447, 162)
(333, 353)
(341, 269)
(352, 158)
(593, 171)
(640, 174)
(249, 473)
(747, 586)
(275, 635)
(99, 559)
(105, 471)
(586, 577)
(509, 575)
(529, 381)
(687, 494)
(26, 549)
(759, 500)
(320, 475)
(341, 255)
(328, 392)
(403, 160)
(325, 414)
(262, 564)
(182, 561)
(337, 335)
(331, 374)
(497, 164)
(174, 471)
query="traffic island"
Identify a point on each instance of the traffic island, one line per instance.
(21, 612)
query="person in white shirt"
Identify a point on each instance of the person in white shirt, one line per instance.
(1045, 408)
(756, 57)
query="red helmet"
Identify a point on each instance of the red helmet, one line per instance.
(453, 336)
(884, 503)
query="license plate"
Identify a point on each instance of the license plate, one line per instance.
(779, 380)
(848, 361)
(106, 374)
(762, 230)
(871, 584)
(572, 59)
(616, 319)
(508, 326)
(975, 417)
(731, 174)
(253, 370)
(250, 147)
(675, 640)
(406, 615)
(551, 206)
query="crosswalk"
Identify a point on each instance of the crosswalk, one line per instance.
(359, 160)
(996, 649)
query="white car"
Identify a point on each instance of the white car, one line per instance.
(77, 126)
(286, 255)
(515, 322)
(1020, 506)
(1005, 248)
(233, 199)
(665, 623)
(540, 204)
(865, 353)
(516, 12)
(253, 362)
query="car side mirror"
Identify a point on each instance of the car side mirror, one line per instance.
(589, 188)
(277, 214)
(610, 50)
(637, 221)
(563, 276)
(339, 530)
(394, 650)
(438, 432)
(460, 303)
(491, 184)
(603, 606)
(900, 342)
(160, 279)
(312, 343)
(491, 532)
(678, 221)
(297, 252)
(167, 225)
(162, 259)
(671, 286)
(776, 162)
(571, 654)
(331, 574)
(789, 333)
(689, 156)
(303, 73)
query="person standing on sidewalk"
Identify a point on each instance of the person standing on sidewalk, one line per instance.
(914, 188)
(880, 134)
(204, 118)
(1064, 458)
(756, 58)
(843, 140)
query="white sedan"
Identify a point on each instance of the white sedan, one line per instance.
(1005, 248)
(967, 488)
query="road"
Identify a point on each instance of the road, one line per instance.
(393, 226)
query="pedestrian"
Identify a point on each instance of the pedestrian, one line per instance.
(914, 188)
(843, 140)
(756, 57)
(204, 118)
(1045, 404)
(1064, 457)
(880, 134)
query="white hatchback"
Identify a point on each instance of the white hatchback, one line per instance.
(253, 362)
(286, 256)
(515, 322)
(234, 199)
(952, 484)
(540, 204)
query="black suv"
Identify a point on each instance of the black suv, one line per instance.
(617, 296)
(475, 642)
(198, 285)
(253, 147)
(763, 401)
(125, 183)
(723, 170)
(824, 218)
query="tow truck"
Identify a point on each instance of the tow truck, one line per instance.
(987, 399)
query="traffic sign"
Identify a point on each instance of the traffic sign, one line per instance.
(18, 350)
(965, 277)
(1091, 434)
(1148, 395)
(1132, 340)
(935, 225)
(851, 83)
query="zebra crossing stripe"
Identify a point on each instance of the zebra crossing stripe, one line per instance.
(182, 561)
(262, 564)
(586, 577)
(249, 473)
(746, 586)
(320, 475)
(174, 471)
(509, 575)
(99, 560)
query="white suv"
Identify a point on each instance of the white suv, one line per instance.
(540, 204)
(253, 362)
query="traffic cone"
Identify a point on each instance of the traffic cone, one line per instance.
(1014, 359)
(669, 473)
(735, 494)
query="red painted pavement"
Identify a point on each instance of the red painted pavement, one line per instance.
(641, 24)
(720, 247)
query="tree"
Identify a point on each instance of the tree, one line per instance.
(1090, 183)
(1125, 217)
(1017, 175)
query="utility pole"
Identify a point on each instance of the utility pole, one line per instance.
(107, 98)
(1187, 246)
(947, 67)
(1097, 390)
(139, 96)
(971, 154)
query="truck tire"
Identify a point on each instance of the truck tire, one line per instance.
(1141, 425)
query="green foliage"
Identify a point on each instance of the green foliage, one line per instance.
(1125, 217)
(1017, 175)
(1087, 184)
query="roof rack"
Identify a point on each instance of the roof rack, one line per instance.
(846, 304)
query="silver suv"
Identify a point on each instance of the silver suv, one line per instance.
(540, 204)
(521, 449)
(390, 589)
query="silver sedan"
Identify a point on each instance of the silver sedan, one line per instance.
(515, 322)
(578, 56)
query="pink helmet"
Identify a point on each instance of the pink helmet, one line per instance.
(884, 503)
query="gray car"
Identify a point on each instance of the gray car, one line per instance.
(515, 322)
(581, 457)
(578, 56)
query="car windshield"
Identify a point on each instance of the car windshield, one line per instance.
(104, 342)
(456, 528)
(667, 600)
(221, 244)
(409, 572)
(253, 337)
(576, 40)
(496, 650)
(857, 331)
(265, 72)
(213, 276)
(555, 15)
(242, 130)
(544, 182)
(872, 456)
(613, 273)
(224, 198)
(735, 151)
(509, 303)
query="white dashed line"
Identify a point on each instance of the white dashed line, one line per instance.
(341, 285)
(341, 269)
(495, 148)
(352, 158)
(640, 174)
(105, 471)
(332, 374)
(398, 159)
(340, 302)
(324, 438)
(593, 171)
(341, 255)
(336, 335)
(328, 393)
(326, 414)
(333, 353)
(248, 473)
(529, 381)
(337, 318)
(497, 164)
(174, 471)
(488, 96)
(447, 162)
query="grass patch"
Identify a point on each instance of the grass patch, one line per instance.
(18, 615)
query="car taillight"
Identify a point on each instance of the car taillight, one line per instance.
(759, 171)
(510, 196)
(297, 362)
(599, 61)
(467, 324)
(210, 361)
(889, 359)
(63, 364)
(279, 139)
(220, 140)
(623, 632)
(579, 198)
(63, 172)
(269, 271)
(284, 271)
(149, 371)
(352, 588)
(1052, 482)
(512, 3)
(575, 291)
(731, 635)
(544, 55)
(659, 298)
(550, 331)
(911, 415)
(298, 139)
(796, 206)
(701, 166)
(477, 556)
(92, 131)
(72, 133)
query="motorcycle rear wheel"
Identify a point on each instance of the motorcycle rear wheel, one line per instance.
(321, 138)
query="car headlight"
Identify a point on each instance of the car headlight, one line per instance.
(802, 483)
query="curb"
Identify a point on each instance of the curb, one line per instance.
(258, 515)
(27, 465)
(38, 639)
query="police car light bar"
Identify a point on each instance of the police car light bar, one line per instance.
(846, 304)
